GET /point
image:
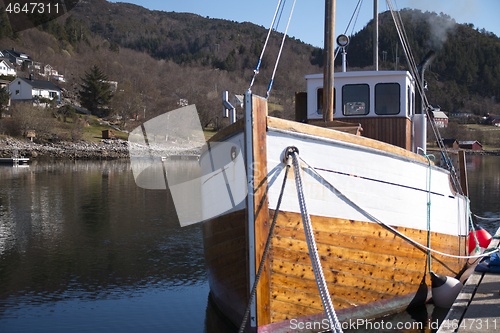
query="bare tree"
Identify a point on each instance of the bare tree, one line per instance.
(29, 117)
(126, 102)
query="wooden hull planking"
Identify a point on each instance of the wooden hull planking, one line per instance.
(225, 244)
(363, 263)
(370, 271)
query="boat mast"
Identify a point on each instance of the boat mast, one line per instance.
(328, 67)
(375, 34)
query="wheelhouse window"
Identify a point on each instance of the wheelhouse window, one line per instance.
(355, 99)
(387, 98)
(409, 113)
(319, 101)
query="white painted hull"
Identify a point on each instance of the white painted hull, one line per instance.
(391, 187)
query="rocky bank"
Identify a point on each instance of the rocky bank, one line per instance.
(106, 149)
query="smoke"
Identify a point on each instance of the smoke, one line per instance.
(449, 12)
(440, 27)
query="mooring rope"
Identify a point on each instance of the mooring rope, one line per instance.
(388, 227)
(313, 250)
(477, 248)
(487, 219)
(266, 250)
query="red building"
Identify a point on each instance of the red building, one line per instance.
(473, 145)
(440, 118)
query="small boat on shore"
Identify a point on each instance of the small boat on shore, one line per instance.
(14, 160)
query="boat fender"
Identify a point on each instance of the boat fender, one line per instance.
(483, 237)
(445, 290)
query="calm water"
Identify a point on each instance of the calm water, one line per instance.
(82, 249)
(484, 188)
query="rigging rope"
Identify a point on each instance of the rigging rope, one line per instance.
(279, 53)
(257, 68)
(396, 16)
(313, 250)
(264, 255)
(388, 227)
(350, 21)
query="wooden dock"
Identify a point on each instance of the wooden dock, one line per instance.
(477, 307)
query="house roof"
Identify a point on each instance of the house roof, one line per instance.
(461, 112)
(41, 84)
(6, 61)
(17, 54)
(470, 143)
(439, 115)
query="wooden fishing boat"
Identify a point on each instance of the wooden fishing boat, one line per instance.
(365, 187)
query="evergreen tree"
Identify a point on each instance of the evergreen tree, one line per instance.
(5, 29)
(96, 91)
(4, 99)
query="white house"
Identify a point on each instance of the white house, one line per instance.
(6, 68)
(440, 118)
(48, 70)
(27, 89)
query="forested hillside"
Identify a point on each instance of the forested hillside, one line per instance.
(162, 57)
(465, 74)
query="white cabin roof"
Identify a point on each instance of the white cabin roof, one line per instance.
(360, 74)
(364, 107)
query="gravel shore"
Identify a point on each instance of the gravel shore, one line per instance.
(106, 149)
(113, 149)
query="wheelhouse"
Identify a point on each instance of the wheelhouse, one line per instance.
(382, 102)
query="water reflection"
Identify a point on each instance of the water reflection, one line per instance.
(83, 231)
(484, 188)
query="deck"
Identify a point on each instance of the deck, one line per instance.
(477, 307)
